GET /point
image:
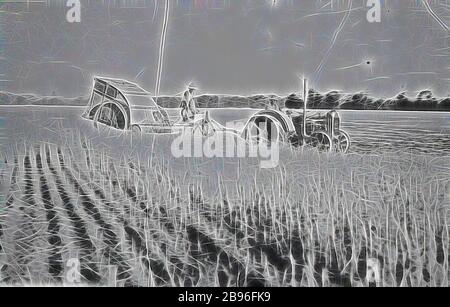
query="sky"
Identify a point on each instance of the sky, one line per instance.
(227, 46)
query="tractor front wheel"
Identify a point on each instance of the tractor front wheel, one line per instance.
(342, 142)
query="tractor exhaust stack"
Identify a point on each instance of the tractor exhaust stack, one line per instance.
(305, 104)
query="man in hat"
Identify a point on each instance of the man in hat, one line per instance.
(188, 106)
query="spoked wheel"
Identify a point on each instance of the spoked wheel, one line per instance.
(321, 141)
(208, 129)
(262, 130)
(206, 126)
(342, 142)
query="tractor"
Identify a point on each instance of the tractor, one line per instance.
(299, 128)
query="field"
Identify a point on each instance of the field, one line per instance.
(132, 215)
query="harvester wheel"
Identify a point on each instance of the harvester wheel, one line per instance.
(109, 116)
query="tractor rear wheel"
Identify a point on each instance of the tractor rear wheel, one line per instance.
(263, 130)
(321, 141)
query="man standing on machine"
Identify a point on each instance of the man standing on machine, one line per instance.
(188, 105)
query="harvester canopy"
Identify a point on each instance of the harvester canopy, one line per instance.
(112, 100)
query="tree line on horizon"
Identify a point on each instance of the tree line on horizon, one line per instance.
(424, 101)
